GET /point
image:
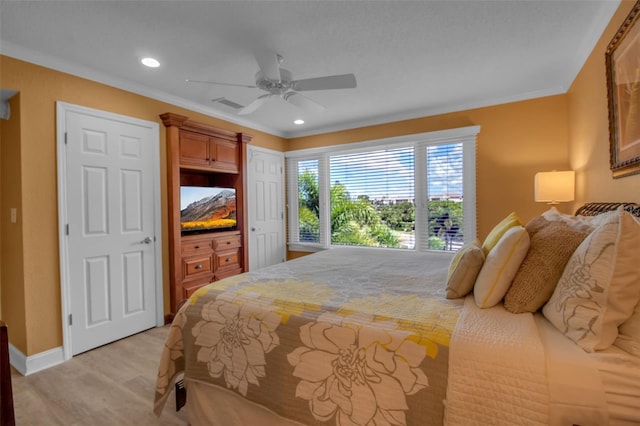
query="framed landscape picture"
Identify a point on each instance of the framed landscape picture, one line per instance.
(623, 92)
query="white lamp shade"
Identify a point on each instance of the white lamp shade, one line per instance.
(555, 187)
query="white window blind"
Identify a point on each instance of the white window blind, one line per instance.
(444, 171)
(445, 193)
(308, 202)
(368, 191)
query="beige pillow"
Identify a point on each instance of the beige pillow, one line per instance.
(498, 231)
(598, 290)
(552, 244)
(500, 267)
(464, 269)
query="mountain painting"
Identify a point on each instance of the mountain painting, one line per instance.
(213, 212)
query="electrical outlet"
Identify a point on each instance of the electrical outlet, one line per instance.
(14, 215)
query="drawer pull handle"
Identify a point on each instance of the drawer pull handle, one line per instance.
(196, 247)
(198, 266)
(228, 259)
(228, 242)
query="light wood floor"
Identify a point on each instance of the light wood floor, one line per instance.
(111, 385)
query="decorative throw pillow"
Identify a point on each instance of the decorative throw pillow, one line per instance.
(598, 288)
(552, 244)
(629, 332)
(500, 267)
(464, 269)
(498, 231)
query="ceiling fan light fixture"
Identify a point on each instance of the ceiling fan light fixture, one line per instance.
(150, 62)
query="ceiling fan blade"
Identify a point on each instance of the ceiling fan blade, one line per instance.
(250, 86)
(254, 105)
(342, 81)
(303, 102)
(269, 63)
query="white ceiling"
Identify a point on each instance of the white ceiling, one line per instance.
(410, 58)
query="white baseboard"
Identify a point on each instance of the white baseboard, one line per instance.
(31, 364)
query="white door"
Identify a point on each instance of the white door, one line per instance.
(266, 207)
(110, 231)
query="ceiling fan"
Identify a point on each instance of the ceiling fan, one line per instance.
(279, 82)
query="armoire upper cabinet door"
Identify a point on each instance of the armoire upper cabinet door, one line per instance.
(224, 155)
(194, 149)
(208, 153)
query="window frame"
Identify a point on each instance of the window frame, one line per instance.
(465, 135)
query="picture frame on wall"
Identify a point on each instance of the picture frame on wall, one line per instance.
(623, 92)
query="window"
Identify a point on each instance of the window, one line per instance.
(371, 198)
(308, 202)
(406, 192)
(445, 196)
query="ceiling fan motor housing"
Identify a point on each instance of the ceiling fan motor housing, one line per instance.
(275, 87)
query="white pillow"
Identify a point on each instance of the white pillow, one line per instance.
(580, 223)
(629, 332)
(598, 289)
(500, 267)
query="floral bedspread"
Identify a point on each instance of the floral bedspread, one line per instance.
(348, 336)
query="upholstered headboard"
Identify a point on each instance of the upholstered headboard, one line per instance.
(593, 209)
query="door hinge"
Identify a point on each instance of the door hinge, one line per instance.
(65, 138)
(281, 215)
(66, 229)
(70, 319)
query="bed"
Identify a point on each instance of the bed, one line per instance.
(361, 336)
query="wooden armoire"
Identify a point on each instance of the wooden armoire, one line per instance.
(203, 155)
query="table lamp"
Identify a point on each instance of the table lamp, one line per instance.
(555, 187)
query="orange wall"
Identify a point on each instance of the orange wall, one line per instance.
(589, 127)
(12, 274)
(516, 140)
(39, 89)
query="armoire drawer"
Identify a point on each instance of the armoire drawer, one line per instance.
(197, 265)
(226, 242)
(192, 247)
(227, 260)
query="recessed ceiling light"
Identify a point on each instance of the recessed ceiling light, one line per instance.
(298, 122)
(150, 62)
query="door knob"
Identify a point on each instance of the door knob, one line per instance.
(253, 229)
(147, 240)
